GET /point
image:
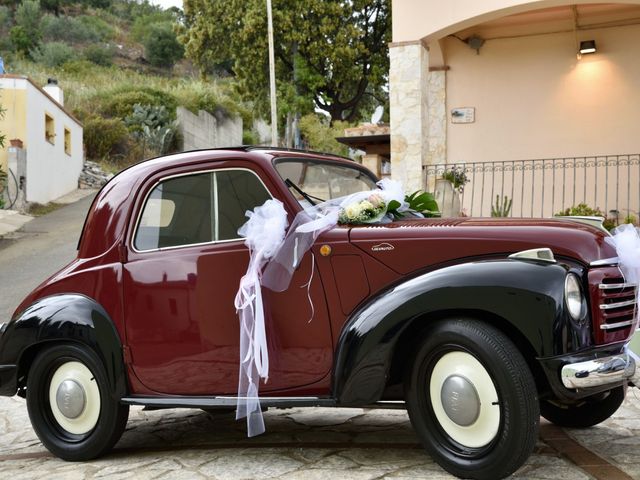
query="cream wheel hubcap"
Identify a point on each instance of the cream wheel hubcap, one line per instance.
(74, 398)
(464, 399)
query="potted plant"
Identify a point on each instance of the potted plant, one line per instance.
(448, 189)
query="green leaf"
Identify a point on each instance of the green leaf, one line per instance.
(422, 202)
(393, 205)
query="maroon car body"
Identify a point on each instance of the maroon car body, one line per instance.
(161, 322)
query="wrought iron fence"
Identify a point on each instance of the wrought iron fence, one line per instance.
(540, 188)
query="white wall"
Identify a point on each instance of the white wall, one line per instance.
(534, 99)
(206, 131)
(51, 173)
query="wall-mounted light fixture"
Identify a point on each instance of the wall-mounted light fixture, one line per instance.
(587, 46)
(475, 42)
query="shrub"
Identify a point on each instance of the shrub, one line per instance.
(104, 137)
(5, 17)
(320, 136)
(28, 16)
(99, 55)
(143, 23)
(78, 67)
(249, 137)
(53, 54)
(162, 48)
(21, 40)
(67, 29)
(584, 210)
(120, 103)
(98, 26)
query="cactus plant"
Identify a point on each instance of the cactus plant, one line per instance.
(501, 209)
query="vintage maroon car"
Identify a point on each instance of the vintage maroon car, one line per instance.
(477, 325)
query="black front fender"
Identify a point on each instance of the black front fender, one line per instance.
(528, 295)
(68, 318)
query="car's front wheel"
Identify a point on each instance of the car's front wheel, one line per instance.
(472, 400)
(70, 405)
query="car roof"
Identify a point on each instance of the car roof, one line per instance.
(259, 154)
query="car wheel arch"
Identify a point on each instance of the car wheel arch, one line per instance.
(412, 337)
(65, 319)
(504, 293)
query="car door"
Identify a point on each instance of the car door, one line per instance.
(185, 261)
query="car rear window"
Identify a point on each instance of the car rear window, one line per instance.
(179, 211)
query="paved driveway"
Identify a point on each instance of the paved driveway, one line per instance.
(313, 443)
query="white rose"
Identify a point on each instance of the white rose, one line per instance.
(365, 205)
(353, 211)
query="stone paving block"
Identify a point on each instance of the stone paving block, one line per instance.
(319, 443)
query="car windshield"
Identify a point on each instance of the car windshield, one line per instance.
(318, 181)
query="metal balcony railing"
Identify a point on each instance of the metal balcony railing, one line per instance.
(541, 188)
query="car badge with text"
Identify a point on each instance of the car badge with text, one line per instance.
(381, 247)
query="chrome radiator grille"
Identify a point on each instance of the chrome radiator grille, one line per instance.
(613, 305)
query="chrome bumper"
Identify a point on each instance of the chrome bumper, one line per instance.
(601, 371)
(635, 378)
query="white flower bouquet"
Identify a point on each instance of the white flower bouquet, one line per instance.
(368, 210)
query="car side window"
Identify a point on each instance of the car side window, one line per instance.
(237, 192)
(179, 211)
(199, 208)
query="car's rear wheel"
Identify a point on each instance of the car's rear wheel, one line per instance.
(591, 411)
(70, 405)
(472, 400)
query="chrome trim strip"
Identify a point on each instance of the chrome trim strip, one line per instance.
(609, 306)
(200, 172)
(605, 262)
(216, 217)
(615, 286)
(3, 327)
(224, 401)
(601, 371)
(611, 326)
(597, 222)
(537, 254)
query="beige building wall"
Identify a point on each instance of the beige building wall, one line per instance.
(13, 99)
(433, 19)
(534, 99)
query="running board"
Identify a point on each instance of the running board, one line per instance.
(231, 402)
(215, 402)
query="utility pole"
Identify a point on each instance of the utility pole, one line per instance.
(272, 78)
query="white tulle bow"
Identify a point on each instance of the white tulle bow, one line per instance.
(279, 255)
(626, 241)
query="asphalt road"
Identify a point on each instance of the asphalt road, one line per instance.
(40, 249)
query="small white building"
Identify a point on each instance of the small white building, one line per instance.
(36, 122)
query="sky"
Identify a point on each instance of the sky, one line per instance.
(167, 3)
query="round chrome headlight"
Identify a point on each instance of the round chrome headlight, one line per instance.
(573, 296)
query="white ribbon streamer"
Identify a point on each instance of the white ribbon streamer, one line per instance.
(264, 234)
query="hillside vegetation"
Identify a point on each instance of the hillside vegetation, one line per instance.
(123, 73)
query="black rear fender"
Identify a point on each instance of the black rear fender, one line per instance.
(70, 318)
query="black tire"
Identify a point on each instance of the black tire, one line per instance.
(490, 444)
(591, 411)
(104, 421)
